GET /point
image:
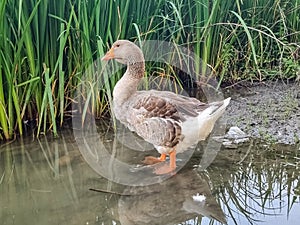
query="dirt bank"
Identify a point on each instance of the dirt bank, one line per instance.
(268, 111)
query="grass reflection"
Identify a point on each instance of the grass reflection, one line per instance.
(264, 185)
(47, 182)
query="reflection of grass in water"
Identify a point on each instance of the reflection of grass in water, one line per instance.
(250, 189)
(32, 180)
(259, 186)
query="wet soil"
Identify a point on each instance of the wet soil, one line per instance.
(269, 111)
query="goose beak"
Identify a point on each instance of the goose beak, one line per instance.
(109, 55)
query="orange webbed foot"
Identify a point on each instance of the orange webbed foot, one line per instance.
(150, 160)
(164, 169)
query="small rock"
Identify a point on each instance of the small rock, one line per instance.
(229, 144)
(241, 140)
(233, 138)
(235, 133)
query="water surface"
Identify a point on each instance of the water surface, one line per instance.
(47, 181)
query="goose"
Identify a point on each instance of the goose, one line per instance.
(169, 121)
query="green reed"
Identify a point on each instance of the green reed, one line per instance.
(46, 47)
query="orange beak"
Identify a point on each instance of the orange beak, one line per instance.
(109, 55)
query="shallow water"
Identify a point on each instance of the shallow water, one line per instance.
(47, 181)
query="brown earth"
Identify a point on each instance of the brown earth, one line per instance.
(269, 111)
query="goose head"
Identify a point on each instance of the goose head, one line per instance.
(124, 52)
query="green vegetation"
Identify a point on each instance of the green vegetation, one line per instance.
(45, 46)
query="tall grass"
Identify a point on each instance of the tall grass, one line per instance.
(45, 47)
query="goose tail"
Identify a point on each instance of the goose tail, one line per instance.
(216, 109)
(208, 117)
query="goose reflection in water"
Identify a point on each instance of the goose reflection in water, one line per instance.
(183, 197)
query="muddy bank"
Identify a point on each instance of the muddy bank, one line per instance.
(268, 111)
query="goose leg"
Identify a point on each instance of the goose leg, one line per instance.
(150, 160)
(168, 168)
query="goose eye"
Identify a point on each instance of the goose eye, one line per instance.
(117, 45)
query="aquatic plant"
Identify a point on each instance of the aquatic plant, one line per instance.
(46, 46)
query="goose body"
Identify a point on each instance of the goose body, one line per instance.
(171, 122)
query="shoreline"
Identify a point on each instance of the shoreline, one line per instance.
(268, 111)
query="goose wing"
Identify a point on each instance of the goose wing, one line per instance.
(157, 116)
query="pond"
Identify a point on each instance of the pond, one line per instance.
(48, 181)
